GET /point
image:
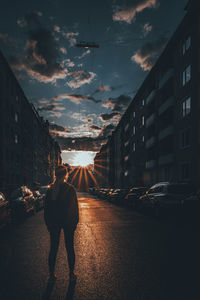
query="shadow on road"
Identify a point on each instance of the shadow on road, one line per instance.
(70, 290)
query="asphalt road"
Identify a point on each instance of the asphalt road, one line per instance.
(120, 254)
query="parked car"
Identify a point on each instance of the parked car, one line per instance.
(43, 189)
(22, 202)
(117, 196)
(4, 211)
(132, 198)
(39, 200)
(165, 196)
(192, 203)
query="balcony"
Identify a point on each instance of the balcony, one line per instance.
(166, 159)
(151, 97)
(165, 132)
(168, 103)
(150, 120)
(150, 164)
(150, 142)
(165, 78)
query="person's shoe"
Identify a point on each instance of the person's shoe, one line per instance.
(52, 276)
(72, 276)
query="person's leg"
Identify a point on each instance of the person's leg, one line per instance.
(54, 244)
(69, 244)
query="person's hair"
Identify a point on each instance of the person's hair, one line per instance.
(60, 172)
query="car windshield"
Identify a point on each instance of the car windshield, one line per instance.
(17, 193)
(180, 189)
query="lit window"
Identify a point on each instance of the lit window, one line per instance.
(186, 44)
(143, 102)
(143, 138)
(126, 173)
(133, 129)
(186, 107)
(142, 120)
(186, 75)
(133, 146)
(126, 157)
(185, 138)
(16, 139)
(16, 117)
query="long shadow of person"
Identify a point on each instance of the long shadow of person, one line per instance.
(71, 290)
(49, 289)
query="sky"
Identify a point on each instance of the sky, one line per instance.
(83, 92)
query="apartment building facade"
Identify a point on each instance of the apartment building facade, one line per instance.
(160, 131)
(28, 154)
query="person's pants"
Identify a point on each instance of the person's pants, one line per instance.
(54, 244)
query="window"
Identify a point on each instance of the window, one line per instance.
(134, 114)
(143, 102)
(143, 138)
(133, 146)
(185, 138)
(186, 107)
(142, 120)
(186, 44)
(133, 129)
(16, 139)
(126, 158)
(16, 117)
(186, 75)
(185, 171)
(126, 173)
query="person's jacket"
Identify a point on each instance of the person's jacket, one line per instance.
(61, 212)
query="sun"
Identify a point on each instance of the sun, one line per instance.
(83, 158)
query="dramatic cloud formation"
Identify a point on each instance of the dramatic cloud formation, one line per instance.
(85, 143)
(118, 104)
(41, 61)
(127, 14)
(149, 53)
(80, 78)
(75, 98)
(106, 117)
(57, 130)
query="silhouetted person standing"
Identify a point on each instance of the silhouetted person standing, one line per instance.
(61, 212)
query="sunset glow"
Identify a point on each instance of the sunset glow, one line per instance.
(78, 158)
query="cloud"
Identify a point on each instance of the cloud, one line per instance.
(41, 60)
(63, 50)
(106, 88)
(147, 28)
(107, 130)
(80, 78)
(95, 127)
(58, 130)
(147, 55)
(128, 14)
(118, 104)
(50, 107)
(71, 36)
(77, 98)
(106, 117)
(84, 54)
